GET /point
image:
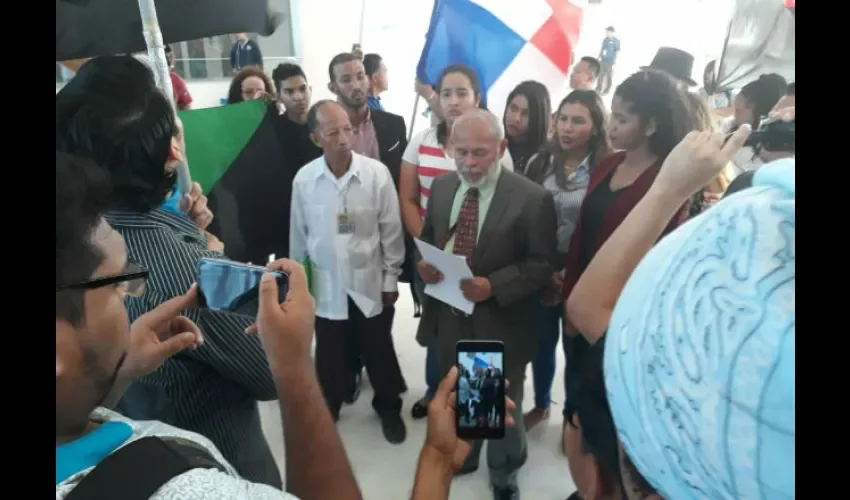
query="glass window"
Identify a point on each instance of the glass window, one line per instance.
(209, 58)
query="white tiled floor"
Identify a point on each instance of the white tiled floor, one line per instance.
(385, 471)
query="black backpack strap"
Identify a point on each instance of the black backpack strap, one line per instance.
(138, 470)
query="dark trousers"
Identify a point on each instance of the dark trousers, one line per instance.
(543, 366)
(432, 368)
(574, 350)
(374, 338)
(605, 78)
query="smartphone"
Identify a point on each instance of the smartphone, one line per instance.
(234, 287)
(480, 389)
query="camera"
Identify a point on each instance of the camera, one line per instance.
(773, 136)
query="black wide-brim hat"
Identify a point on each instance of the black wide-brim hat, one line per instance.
(676, 63)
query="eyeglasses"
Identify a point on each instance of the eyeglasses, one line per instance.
(134, 278)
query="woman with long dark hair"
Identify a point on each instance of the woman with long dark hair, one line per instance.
(649, 116)
(428, 155)
(526, 121)
(578, 143)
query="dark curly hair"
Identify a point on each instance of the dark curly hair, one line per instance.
(234, 94)
(653, 95)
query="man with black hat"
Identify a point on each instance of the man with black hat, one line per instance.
(607, 58)
(676, 63)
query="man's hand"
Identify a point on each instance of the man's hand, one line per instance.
(429, 273)
(286, 329)
(389, 298)
(696, 160)
(476, 289)
(194, 204)
(213, 243)
(442, 433)
(160, 334)
(552, 293)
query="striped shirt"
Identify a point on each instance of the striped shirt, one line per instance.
(212, 390)
(568, 199)
(430, 159)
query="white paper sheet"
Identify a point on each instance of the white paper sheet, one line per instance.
(454, 269)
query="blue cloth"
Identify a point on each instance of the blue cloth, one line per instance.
(90, 449)
(543, 365)
(374, 102)
(699, 359)
(172, 204)
(463, 32)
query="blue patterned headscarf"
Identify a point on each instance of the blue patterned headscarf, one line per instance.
(699, 360)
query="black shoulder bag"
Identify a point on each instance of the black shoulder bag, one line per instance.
(138, 470)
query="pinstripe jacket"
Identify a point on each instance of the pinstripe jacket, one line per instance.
(214, 389)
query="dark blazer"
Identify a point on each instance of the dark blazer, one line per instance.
(392, 141)
(516, 251)
(613, 216)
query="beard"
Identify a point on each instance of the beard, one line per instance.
(73, 410)
(481, 177)
(104, 381)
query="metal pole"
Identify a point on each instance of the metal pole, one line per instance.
(413, 118)
(362, 22)
(156, 54)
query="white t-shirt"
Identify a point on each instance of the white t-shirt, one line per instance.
(430, 159)
(196, 484)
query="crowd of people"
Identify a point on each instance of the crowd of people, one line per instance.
(557, 212)
(476, 396)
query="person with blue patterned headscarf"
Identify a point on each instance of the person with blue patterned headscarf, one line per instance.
(692, 387)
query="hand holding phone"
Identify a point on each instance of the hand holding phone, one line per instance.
(481, 407)
(234, 287)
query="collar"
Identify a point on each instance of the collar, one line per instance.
(366, 121)
(153, 219)
(353, 169)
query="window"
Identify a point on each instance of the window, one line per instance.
(209, 58)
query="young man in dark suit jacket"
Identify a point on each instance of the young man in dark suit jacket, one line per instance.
(377, 134)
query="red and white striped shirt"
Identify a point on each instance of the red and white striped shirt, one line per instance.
(430, 159)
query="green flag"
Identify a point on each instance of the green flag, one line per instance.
(235, 154)
(216, 136)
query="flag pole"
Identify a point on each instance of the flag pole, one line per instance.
(413, 118)
(156, 55)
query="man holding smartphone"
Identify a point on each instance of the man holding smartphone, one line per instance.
(504, 225)
(106, 115)
(345, 219)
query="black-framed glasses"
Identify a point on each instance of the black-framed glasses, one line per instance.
(134, 277)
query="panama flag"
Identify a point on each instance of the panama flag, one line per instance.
(505, 41)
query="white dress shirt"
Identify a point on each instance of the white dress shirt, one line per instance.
(362, 264)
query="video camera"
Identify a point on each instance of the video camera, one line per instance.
(773, 135)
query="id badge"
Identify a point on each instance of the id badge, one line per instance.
(344, 224)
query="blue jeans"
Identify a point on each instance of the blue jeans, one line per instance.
(543, 366)
(432, 375)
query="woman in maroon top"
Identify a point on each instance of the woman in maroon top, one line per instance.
(649, 116)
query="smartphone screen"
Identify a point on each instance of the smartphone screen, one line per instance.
(234, 287)
(480, 389)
